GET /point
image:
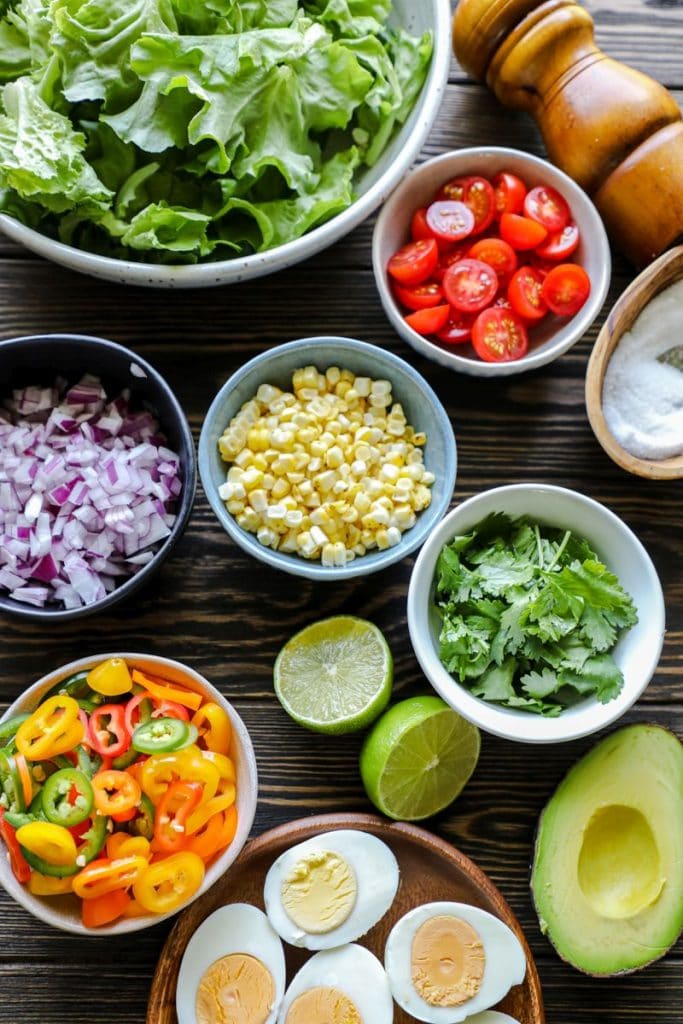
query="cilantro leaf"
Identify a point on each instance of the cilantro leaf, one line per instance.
(540, 684)
(530, 615)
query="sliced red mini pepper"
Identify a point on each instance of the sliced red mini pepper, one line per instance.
(18, 863)
(177, 803)
(107, 733)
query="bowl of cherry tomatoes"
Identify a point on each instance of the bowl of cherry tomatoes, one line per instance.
(490, 261)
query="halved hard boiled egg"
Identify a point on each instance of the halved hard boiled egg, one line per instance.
(447, 961)
(331, 889)
(339, 986)
(233, 970)
(492, 1017)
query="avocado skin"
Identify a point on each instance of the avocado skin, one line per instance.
(666, 753)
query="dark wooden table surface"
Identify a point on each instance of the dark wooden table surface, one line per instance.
(199, 610)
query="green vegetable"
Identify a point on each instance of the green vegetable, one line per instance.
(8, 728)
(67, 797)
(530, 616)
(175, 131)
(143, 822)
(160, 735)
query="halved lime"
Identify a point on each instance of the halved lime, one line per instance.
(417, 758)
(335, 675)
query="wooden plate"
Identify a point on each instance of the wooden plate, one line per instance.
(431, 869)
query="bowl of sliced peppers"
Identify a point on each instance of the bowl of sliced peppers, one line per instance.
(128, 786)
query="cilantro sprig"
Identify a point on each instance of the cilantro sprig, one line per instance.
(530, 616)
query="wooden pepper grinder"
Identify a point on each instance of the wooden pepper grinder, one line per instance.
(616, 131)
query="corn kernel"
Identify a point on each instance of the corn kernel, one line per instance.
(258, 500)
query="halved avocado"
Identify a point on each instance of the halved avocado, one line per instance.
(607, 878)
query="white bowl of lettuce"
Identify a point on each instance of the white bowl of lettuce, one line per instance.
(536, 613)
(188, 143)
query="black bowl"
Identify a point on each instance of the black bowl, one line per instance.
(38, 360)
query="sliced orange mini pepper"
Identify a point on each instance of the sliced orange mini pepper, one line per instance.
(207, 809)
(115, 792)
(53, 728)
(214, 727)
(104, 909)
(169, 883)
(104, 875)
(163, 690)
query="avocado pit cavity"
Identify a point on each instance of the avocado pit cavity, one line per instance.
(619, 865)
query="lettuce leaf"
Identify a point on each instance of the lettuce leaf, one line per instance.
(41, 156)
(185, 130)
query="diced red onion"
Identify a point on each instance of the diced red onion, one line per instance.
(87, 490)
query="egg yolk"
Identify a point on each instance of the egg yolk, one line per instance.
(447, 961)
(320, 892)
(323, 1006)
(237, 989)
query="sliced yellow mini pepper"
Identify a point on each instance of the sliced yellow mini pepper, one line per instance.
(110, 678)
(53, 728)
(45, 885)
(199, 817)
(225, 765)
(169, 883)
(52, 843)
(160, 770)
(214, 727)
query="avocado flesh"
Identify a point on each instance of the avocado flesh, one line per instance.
(607, 878)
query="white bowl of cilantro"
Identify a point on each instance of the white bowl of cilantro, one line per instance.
(191, 144)
(536, 613)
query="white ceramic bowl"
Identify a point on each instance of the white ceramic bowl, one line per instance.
(372, 187)
(637, 652)
(64, 911)
(552, 336)
(423, 411)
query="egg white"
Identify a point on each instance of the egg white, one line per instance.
(236, 928)
(377, 878)
(352, 970)
(505, 962)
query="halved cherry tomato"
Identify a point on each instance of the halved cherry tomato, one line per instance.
(566, 288)
(470, 285)
(521, 232)
(415, 262)
(499, 335)
(450, 220)
(510, 192)
(420, 296)
(524, 294)
(419, 228)
(497, 253)
(429, 321)
(458, 328)
(560, 244)
(448, 257)
(476, 193)
(545, 205)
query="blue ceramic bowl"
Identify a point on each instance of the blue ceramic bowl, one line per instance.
(422, 408)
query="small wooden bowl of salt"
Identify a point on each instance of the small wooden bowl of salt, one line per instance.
(634, 380)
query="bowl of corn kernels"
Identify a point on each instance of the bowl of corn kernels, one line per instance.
(327, 458)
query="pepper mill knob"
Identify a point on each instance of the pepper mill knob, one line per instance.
(613, 129)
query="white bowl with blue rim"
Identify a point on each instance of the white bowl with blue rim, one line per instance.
(423, 411)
